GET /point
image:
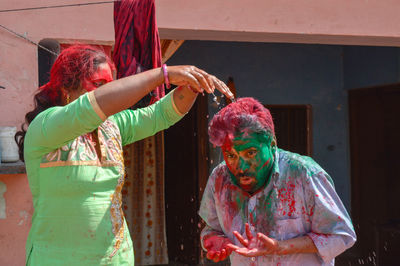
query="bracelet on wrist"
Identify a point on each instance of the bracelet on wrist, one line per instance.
(166, 79)
(193, 90)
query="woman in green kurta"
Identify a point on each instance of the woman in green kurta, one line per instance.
(73, 153)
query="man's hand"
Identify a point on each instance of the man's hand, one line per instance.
(254, 246)
(217, 247)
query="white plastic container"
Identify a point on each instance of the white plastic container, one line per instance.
(9, 148)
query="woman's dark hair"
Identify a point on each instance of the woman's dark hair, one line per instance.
(72, 66)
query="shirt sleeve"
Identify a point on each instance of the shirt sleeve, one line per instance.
(331, 228)
(58, 125)
(138, 124)
(208, 211)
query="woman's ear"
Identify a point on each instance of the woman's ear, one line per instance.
(65, 96)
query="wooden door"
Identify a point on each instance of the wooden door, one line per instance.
(375, 173)
(186, 173)
(293, 124)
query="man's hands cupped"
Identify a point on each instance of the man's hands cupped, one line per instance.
(254, 246)
(217, 247)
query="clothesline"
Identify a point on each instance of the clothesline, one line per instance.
(27, 39)
(57, 6)
(45, 7)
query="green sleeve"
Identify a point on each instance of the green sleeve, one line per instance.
(138, 124)
(59, 125)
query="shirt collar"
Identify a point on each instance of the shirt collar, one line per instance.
(275, 167)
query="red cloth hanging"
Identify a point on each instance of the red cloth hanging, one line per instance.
(137, 43)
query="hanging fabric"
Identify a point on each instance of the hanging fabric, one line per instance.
(137, 43)
(143, 199)
(137, 49)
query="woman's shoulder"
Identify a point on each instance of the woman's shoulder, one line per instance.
(38, 120)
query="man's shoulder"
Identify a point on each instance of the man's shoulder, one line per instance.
(294, 161)
(219, 170)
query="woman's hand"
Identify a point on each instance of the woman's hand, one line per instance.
(197, 79)
(217, 247)
(254, 246)
(123, 93)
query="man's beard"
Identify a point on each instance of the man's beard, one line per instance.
(247, 181)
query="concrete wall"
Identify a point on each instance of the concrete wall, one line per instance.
(19, 76)
(355, 22)
(18, 57)
(15, 218)
(365, 66)
(300, 74)
(333, 21)
(304, 74)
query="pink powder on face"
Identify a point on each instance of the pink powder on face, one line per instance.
(228, 143)
(266, 163)
(102, 76)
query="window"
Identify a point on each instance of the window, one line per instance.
(46, 59)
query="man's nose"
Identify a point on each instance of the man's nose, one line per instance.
(243, 165)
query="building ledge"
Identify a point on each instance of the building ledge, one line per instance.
(12, 168)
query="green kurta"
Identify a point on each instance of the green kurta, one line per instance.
(78, 218)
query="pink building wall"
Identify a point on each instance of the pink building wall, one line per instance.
(18, 57)
(356, 22)
(18, 212)
(19, 75)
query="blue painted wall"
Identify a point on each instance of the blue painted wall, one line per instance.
(366, 66)
(300, 74)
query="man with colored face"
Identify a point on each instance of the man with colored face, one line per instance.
(264, 205)
(249, 160)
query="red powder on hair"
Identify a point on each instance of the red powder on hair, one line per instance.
(72, 66)
(245, 111)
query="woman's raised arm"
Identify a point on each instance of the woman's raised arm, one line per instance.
(120, 94)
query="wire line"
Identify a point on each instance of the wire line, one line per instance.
(58, 6)
(25, 38)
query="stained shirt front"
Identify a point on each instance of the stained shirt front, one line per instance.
(298, 200)
(75, 167)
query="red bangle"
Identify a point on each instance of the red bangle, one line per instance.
(193, 90)
(166, 79)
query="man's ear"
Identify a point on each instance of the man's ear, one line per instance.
(273, 146)
(273, 142)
